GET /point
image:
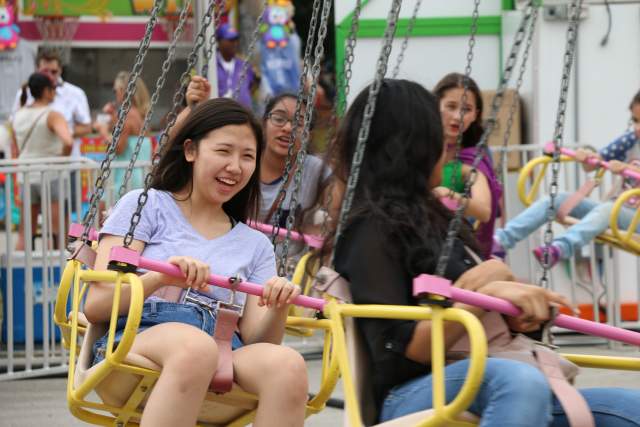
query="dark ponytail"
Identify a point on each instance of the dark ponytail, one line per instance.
(23, 95)
(37, 84)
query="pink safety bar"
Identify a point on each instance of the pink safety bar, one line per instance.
(428, 284)
(309, 239)
(76, 230)
(128, 256)
(627, 173)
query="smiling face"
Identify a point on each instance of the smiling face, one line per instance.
(450, 110)
(278, 126)
(223, 162)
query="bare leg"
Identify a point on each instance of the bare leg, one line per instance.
(21, 244)
(55, 228)
(278, 375)
(189, 358)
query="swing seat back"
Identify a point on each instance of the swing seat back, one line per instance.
(123, 384)
(358, 359)
(530, 180)
(302, 277)
(361, 372)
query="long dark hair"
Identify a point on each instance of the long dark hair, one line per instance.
(472, 135)
(37, 83)
(174, 173)
(403, 149)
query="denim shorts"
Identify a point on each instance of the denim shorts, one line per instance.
(157, 312)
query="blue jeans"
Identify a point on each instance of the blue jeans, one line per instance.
(157, 312)
(513, 394)
(593, 215)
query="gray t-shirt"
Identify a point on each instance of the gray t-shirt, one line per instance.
(312, 172)
(167, 233)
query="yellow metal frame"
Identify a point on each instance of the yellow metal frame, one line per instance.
(527, 197)
(444, 414)
(74, 282)
(335, 362)
(628, 237)
(304, 280)
(621, 239)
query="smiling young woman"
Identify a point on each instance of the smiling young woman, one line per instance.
(205, 187)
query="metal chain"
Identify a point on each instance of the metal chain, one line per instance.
(514, 103)
(250, 50)
(482, 146)
(178, 98)
(344, 82)
(344, 77)
(363, 135)
(305, 136)
(475, 16)
(405, 42)
(105, 166)
(569, 54)
(160, 82)
(208, 48)
(349, 55)
(296, 121)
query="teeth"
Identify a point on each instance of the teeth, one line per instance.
(227, 181)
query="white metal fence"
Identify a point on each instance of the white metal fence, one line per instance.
(42, 196)
(31, 345)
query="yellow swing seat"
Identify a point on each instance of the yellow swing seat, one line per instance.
(350, 357)
(529, 182)
(359, 360)
(629, 237)
(302, 278)
(124, 379)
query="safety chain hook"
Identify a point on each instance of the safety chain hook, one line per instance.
(166, 65)
(514, 103)
(250, 50)
(405, 42)
(305, 136)
(289, 164)
(105, 166)
(475, 16)
(482, 146)
(178, 98)
(569, 54)
(369, 111)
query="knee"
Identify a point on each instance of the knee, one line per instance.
(521, 382)
(287, 370)
(196, 358)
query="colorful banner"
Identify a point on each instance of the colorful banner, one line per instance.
(104, 8)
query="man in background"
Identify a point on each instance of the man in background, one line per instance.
(230, 67)
(70, 100)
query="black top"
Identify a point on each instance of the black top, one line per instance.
(377, 276)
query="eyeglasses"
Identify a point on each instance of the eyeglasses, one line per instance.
(279, 120)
